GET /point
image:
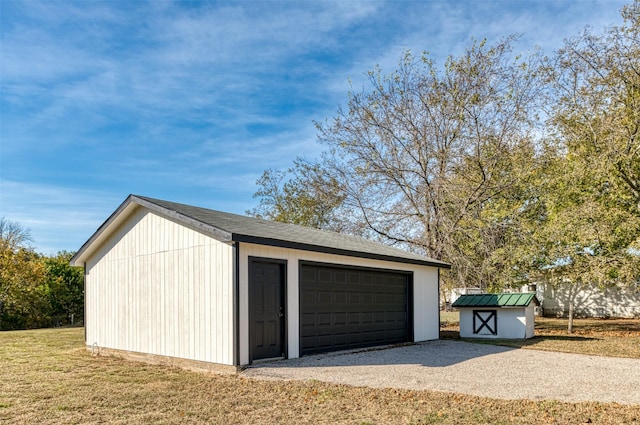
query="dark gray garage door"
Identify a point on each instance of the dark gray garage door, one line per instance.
(343, 308)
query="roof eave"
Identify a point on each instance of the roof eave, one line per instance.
(337, 251)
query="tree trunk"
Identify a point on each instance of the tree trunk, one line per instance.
(570, 327)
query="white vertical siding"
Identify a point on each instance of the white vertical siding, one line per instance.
(530, 321)
(159, 287)
(425, 292)
(426, 314)
(512, 323)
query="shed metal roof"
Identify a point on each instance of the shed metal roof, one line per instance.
(238, 228)
(496, 300)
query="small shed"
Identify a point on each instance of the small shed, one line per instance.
(185, 285)
(509, 316)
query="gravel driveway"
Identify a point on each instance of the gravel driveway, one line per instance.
(478, 369)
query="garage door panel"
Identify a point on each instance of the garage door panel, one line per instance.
(324, 297)
(308, 297)
(350, 308)
(351, 319)
(309, 275)
(340, 340)
(325, 341)
(340, 297)
(308, 340)
(365, 337)
(308, 319)
(324, 276)
(324, 319)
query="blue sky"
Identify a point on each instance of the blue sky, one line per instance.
(190, 101)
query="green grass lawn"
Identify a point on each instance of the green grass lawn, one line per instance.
(610, 337)
(47, 377)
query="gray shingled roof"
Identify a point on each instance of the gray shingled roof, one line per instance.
(254, 230)
(233, 227)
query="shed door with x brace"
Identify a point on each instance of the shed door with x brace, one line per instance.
(344, 308)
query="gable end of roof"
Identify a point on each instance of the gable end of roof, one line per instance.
(123, 211)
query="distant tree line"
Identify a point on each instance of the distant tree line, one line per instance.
(512, 168)
(36, 290)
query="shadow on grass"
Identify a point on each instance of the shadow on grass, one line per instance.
(517, 343)
(597, 326)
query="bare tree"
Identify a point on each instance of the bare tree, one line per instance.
(13, 235)
(431, 160)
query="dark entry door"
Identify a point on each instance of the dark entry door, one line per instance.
(266, 303)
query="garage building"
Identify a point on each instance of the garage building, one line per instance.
(179, 284)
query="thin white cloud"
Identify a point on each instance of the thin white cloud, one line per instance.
(444, 28)
(251, 35)
(151, 97)
(191, 66)
(60, 218)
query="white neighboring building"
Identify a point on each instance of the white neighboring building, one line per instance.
(455, 293)
(591, 301)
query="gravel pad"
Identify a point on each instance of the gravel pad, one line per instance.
(477, 369)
